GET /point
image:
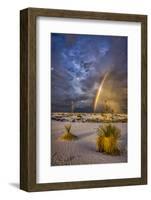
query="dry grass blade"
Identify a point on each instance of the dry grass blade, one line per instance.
(67, 135)
(107, 139)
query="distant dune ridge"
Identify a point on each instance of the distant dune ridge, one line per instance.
(89, 117)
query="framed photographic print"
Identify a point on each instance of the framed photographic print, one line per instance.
(83, 93)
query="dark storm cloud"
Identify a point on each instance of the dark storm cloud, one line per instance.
(79, 63)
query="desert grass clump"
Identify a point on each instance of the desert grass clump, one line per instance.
(67, 135)
(107, 139)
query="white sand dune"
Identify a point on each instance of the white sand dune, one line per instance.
(83, 150)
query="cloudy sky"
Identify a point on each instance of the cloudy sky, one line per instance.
(78, 65)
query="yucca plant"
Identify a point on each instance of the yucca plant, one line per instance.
(67, 135)
(107, 139)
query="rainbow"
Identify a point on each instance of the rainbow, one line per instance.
(99, 91)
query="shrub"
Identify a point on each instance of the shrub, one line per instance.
(107, 139)
(67, 135)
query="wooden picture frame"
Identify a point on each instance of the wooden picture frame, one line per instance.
(28, 98)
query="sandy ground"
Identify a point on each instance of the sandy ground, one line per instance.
(83, 150)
